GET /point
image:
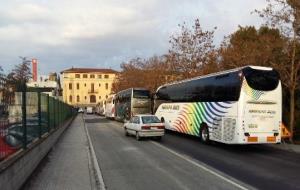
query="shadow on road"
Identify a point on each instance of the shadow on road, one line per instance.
(249, 148)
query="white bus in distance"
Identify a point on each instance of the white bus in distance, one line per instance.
(110, 107)
(130, 102)
(239, 106)
(100, 108)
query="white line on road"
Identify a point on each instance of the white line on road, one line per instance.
(200, 166)
(94, 159)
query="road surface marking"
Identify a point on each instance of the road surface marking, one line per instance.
(200, 166)
(94, 159)
(195, 163)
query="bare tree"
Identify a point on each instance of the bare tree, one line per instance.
(148, 73)
(22, 71)
(191, 50)
(19, 75)
(285, 15)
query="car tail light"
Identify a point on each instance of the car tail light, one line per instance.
(161, 127)
(146, 127)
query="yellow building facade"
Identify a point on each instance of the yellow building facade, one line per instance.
(84, 87)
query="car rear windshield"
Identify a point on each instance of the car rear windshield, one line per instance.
(141, 94)
(264, 80)
(150, 119)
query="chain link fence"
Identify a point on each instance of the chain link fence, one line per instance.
(26, 116)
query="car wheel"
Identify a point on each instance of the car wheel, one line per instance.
(137, 136)
(204, 134)
(126, 132)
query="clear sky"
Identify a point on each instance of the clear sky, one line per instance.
(105, 33)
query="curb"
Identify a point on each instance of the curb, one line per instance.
(98, 174)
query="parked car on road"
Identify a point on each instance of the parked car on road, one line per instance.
(89, 110)
(144, 126)
(80, 110)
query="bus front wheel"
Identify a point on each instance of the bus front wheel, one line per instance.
(204, 134)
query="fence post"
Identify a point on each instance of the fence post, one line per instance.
(39, 114)
(48, 113)
(54, 113)
(57, 109)
(24, 115)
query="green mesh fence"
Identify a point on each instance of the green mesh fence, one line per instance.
(27, 117)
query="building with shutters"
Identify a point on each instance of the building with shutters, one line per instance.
(84, 87)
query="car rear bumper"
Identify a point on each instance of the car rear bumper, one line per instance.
(157, 133)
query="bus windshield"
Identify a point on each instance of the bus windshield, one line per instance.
(264, 80)
(141, 94)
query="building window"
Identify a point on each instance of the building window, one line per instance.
(106, 96)
(99, 76)
(92, 87)
(70, 86)
(106, 76)
(92, 99)
(77, 76)
(106, 86)
(99, 84)
(84, 84)
(78, 99)
(99, 97)
(92, 76)
(84, 75)
(70, 98)
(85, 97)
(77, 86)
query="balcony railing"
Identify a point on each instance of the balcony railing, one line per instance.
(92, 91)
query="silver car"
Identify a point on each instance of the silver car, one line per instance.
(144, 126)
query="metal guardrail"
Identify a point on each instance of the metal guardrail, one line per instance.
(27, 116)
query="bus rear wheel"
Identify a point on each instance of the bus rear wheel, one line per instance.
(204, 134)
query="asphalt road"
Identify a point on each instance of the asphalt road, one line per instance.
(182, 162)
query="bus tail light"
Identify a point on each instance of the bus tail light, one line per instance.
(146, 127)
(252, 139)
(271, 139)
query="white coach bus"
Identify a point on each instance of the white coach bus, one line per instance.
(239, 106)
(110, 107)
(131, 102)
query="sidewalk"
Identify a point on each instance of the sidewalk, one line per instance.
(68, 165)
